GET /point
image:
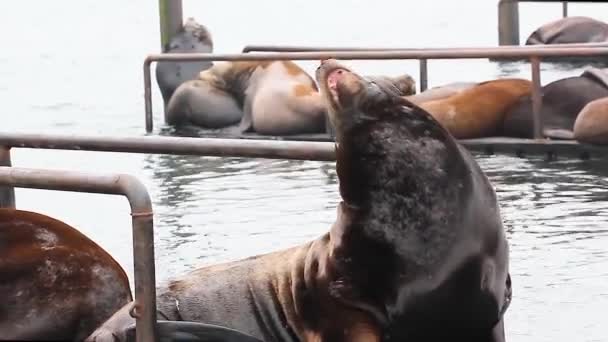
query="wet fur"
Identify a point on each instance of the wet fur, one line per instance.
(55, 283)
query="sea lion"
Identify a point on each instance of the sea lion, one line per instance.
(570, 30)
(478, 111)
(267, 97)
(562, 100)
(55, 283)
(192, 38)
(440, 92)
(591, 124)
(417, 252)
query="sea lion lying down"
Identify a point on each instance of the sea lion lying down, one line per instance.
(417, 251)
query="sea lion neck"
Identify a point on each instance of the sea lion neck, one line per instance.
(238, 78)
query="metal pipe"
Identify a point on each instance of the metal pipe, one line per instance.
(453, 53)
(536, 98)
(295, 150)
(564, 9)
(171, 20)
(303, 48)
(424, 74)
(508, 22)
(7, 193)
(143, 227)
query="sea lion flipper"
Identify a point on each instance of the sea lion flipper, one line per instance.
(558, 133)
(246, 124)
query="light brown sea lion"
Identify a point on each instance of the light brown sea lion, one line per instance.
(191, 38)
(591, 125)
(440, 92)
(267, 97)
(55, 283)
(417, 252)
(478, 111)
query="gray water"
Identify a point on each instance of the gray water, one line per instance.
(74, 67)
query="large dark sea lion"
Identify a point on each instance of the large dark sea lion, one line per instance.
(562, 100)
(478, 111)
(417, 252)
(55, 283)
(192, 38)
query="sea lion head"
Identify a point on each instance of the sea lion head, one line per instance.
(384, 142)
(351, 98)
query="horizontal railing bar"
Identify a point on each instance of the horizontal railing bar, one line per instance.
(303, 48)
(454, 53)
(296, 150)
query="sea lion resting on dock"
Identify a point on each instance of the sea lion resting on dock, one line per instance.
(191, 38)
(562, 101)
(417, 252)
(591, 125)
(478, 111)
(570, 30)
(268, 97)
(55, 283)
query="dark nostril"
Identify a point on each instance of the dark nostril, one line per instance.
(340, 72)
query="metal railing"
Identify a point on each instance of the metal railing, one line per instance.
(142, 221)
(534, 54)
(423, 64)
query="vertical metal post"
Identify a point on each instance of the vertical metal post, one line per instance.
(171, 20)
(424, 74)
(508, 22)
(564, 9)
(7, 193)
(536, 98)
(148, 96)
(145, 279)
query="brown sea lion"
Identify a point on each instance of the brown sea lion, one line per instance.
(562, 100)
(478, 111)
(417, 252)
(267, 97)
(591, 124)
(55, 283)
(192, 38)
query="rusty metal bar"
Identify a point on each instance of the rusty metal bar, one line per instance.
(536, 98)
(424, 74)
(453, 53)
(142, 220)
(7, 193)
(295, 150)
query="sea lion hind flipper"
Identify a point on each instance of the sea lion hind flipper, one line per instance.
(181, 331)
